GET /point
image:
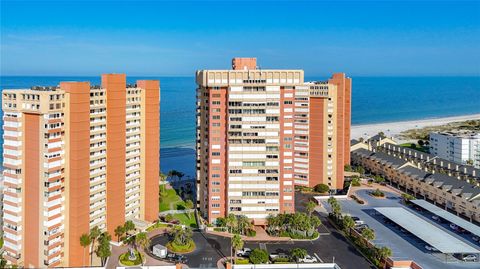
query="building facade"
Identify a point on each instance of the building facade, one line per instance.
(462, 148)
(77, 156)
(448, 192)
(261, 132)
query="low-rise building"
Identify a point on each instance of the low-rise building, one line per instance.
(462, 147)
(449, 192)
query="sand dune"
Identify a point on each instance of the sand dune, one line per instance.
(394, 128)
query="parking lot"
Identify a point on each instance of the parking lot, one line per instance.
(404, 245)
(331, 246)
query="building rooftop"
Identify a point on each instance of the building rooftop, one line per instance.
(426, 231)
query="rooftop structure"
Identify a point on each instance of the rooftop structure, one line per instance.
(426, 231)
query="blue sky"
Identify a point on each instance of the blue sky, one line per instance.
(174, 38)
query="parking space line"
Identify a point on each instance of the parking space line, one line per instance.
(320, 260)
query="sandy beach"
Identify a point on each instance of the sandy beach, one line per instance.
(392, 129)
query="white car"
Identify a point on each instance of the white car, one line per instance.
(308, 259)
(453, 227)
(430, 248)
(470, 258)
(245, 252)
(435, 218)
(475, 238)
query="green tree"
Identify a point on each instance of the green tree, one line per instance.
(347, 168)
(368, 234)
(336, 208)
(348, 223)
(237, 243)
(163, 179)
(321, 188)
(103, 249)
(85, 242)
(231, 222)
(355, 181)
(243, 224)
(129, 226)
(142, 241)
(258, 256)
(119, 232)
(181, 236)
(310, 207)
(360, 170)
(383, 253)
(297, 253)
(94, 234)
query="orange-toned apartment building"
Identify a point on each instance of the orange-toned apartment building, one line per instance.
(77, 156)
(260, 132)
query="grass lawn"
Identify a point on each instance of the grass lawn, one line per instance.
(169, 200)
(415, 146)
(183, 218)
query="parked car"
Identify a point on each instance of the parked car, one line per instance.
(244, 252)
(308, 259)
(453, 226)
(361, 227)
(436, 218)
(355, 218)
(387, 221)
(176, 258)
(278, 255)
(430, 248)
(469, 258)
(359, 222)
(475, 238)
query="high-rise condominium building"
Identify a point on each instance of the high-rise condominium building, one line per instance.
(77, 156)
(462, 147)
(260, 132)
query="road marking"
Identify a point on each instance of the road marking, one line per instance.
(320, 260)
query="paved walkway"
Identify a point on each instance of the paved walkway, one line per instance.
(184, 211)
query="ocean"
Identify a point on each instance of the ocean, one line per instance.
(374, 100)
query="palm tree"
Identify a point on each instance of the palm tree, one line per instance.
(181, 236)
(383, 253)
(142, 241)
(368, 234)
(162, 178)
(129, 226)
(94, 234)
(237, 243)
(310, 207)
(348, 223)
(103, 249)
(231, 222)
(119, 231)
(243, 224)
(84, 242)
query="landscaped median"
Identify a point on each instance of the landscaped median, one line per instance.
(126, 260)
(181, 240)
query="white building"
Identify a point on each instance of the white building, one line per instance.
(459, 147)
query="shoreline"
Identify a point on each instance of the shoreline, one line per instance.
(393, 129)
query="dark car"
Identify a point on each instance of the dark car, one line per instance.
(176, 258)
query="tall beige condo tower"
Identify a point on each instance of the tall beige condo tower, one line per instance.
(77, 156)
(260, 132)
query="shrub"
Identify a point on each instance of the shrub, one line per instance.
(219, 229)
(377, 193)
(241, 261)
(281, 260)
(322, 188)
(258, 256)
(251, 233)
(358, 200)
(174, 247)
